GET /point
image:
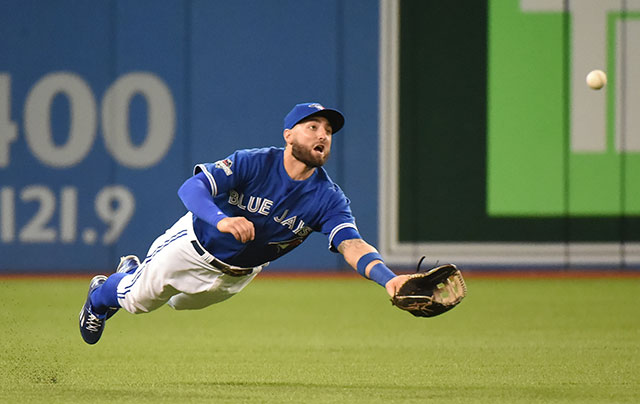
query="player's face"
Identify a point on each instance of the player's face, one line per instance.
(311, 141)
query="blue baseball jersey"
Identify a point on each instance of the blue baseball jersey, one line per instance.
(254, 184)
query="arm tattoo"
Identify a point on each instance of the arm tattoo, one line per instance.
(349, 243)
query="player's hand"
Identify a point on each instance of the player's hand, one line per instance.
(241, 228)
(394, 284)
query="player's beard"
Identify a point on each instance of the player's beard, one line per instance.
(306, 156)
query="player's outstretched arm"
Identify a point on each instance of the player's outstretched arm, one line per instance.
(365, 259)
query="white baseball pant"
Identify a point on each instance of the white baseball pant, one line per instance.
(174, 272)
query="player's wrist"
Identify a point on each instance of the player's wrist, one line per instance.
(215, 218)
(379, 273)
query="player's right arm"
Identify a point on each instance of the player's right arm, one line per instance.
(339, 226)
(195, 193)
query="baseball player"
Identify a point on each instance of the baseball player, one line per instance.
(244, 211)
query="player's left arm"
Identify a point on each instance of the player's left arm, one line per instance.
(365, 259)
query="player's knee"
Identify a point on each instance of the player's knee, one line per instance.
(139, 307)
(198, 301)
(137, 310)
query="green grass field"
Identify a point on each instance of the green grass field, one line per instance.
(330, 341)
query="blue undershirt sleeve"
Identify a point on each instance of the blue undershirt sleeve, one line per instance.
(195, 194)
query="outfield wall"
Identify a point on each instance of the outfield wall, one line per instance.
(500, 155)
(106, 106)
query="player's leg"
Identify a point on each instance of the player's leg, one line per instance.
(172, 266)
(155, 280)
(221, 288)
(101, 301)
(103, 298)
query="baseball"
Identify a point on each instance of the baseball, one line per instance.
(596, 79)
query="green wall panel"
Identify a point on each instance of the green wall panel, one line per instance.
(484, 145)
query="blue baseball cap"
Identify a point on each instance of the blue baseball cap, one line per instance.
(307, 109)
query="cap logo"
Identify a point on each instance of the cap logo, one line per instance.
(316, 106)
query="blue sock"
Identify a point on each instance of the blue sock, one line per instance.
(106, 295)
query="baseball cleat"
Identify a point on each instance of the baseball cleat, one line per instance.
(91, 324)
(128, 264)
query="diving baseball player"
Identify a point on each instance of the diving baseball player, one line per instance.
(243, 211)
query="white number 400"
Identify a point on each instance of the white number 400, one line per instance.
(83, 119)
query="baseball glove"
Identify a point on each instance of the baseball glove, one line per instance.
(428, 294)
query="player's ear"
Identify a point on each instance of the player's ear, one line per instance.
(287, 136)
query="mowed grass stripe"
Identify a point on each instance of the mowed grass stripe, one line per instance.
(330, 340)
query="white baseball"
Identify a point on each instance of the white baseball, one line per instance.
(596, 79)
